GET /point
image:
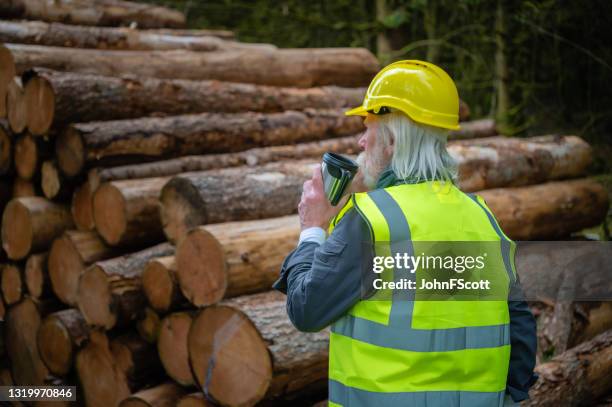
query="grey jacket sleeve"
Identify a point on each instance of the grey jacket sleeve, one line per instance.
(323, 282)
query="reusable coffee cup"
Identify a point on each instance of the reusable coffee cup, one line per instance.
(338, 172)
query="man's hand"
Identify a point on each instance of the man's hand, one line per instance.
(314, 208)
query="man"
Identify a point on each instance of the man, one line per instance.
(399, 349)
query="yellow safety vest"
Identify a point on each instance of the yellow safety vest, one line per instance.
(406, 352)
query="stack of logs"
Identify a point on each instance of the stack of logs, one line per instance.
(149, 188)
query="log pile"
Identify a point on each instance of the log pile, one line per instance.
(149, 180)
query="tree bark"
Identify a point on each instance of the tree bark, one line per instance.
(172, 347)
(474, 129)
(303, 68)
(110, 372)
(59, 337)
(12, 284)
(193, 199)
(6, 148)
(252, 157)
(69, 256)
(22, 323)
(36, 275)
(164, 395)
(7, 73)
(241, 258)
(111, 38)
(160, 284)
(577, 377)
(94, 12)
(110, 292)
(16, 108)
(569, 206)
(122, 141)
(68, 97)
(30, 225)
(502, 162)
(276, 358)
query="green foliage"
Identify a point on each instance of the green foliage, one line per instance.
(558, 53)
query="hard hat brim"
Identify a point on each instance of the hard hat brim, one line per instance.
(358, 111)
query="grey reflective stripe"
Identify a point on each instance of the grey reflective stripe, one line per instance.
(351, 397)
(422, 340)
(398, 334)
(504, 243)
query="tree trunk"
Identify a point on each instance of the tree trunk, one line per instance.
(232, 194)
(577, 377)
(502, 162)
(127, 212)
(160, 284)
(59, 337)
(241, 258)
(474, 129)
(223, 34)
(569, 206)
(29, 153)
(94, 12)
(30, 225)
(164, 395)
(63, 35)
(16, 108)
(252, 157)
(110, 291)
(122, 141)
(172, 347)
(36, 275)
(68, 97)
(12, 284)
(22, 323)
(7, 73)
(275, 358)
(81, 207)
(300, 67)
(110, 372)
(6, 147)
(69, 256)
(148, 325)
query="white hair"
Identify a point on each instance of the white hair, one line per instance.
(419, 151)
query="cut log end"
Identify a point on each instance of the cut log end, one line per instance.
(226, 337)
(109, 212)
(26, 157)
(7, 73)
(23, 188)
(36, 277)
(158, 283)
(194, 400)
(12, 284)
(55, 345)
(15, 106)
(94, 298)
(50, 179)
(148, 325)
(172, 347)
(82, 207)
(40, 105)
(177, 210)
(65, 267)
(70, 152)
(166, 394)
(201, 268)
(16, 230)
(5, 149)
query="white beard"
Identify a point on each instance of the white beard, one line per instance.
(371, 165)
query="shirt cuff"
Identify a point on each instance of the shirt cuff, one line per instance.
(314, 234)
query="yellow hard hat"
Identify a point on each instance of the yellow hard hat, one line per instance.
(421, 90)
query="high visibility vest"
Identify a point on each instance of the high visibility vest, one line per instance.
(406, 352)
